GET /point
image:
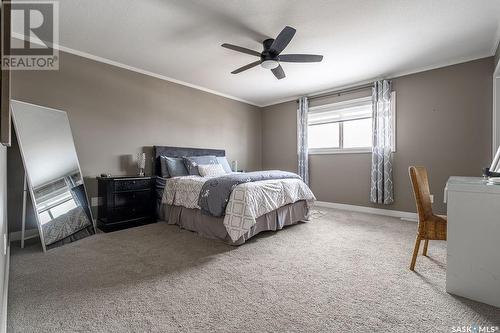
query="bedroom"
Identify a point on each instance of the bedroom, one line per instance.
(132, 76)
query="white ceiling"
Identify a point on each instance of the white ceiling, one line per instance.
(360, 39)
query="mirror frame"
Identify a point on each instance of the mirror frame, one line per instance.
(495, 164)
(28, 178)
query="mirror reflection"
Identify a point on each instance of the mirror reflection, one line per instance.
(53, 172)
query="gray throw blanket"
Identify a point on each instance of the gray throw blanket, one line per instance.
(215, 193)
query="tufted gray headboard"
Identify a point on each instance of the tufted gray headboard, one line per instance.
(180, 152)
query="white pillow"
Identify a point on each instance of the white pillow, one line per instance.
(211, 170)
(225, 164)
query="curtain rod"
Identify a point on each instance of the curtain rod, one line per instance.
(340, 92)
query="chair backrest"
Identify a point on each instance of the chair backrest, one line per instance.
(420, 184)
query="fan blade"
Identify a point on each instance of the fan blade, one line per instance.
(283, 39)
(278, 72)
(244, 68)
(241, 49)
(300, 58)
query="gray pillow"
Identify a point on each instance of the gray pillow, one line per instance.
(175, 166)
(225, 164)
(164, 167)
(192, 162)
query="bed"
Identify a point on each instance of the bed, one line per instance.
(256, 201)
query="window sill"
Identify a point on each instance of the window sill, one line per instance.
(328, 151)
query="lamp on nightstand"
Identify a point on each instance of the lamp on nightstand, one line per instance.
(141, 163)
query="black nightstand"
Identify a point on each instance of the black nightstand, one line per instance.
(125, 202)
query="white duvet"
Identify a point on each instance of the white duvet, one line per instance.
(246, 203)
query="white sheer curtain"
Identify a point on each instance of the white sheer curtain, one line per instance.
(302, 148)
(382, 191)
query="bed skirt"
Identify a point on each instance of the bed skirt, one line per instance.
(213, 227)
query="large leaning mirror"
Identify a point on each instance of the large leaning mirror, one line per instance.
(53, 174)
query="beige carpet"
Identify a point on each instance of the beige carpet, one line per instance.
(343, 272)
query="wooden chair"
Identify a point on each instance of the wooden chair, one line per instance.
(430, 226)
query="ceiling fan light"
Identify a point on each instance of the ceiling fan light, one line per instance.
(270, 64)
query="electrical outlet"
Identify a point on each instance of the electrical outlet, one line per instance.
(432, 198)
(96, 201)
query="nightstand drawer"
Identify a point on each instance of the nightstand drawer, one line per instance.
(137, 198)
(128, 213)
(132, 185)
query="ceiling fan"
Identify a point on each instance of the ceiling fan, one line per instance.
(271, 56)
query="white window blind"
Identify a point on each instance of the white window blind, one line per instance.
(342, 111)
(343, 127)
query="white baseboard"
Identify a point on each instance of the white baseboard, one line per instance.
(3, 318)
(16, 235)
(406, 216)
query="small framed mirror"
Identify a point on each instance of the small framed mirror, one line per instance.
(53, 174)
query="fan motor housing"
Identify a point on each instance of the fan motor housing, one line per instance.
(267, 54)
(267, 44)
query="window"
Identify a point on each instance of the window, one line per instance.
(323, 136)
(55, 204)
(344, 127)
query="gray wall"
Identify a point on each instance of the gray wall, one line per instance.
(443, 122)
(116, 113)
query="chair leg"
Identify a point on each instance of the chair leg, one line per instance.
(415, 253)
(426, 244)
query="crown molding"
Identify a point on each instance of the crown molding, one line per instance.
(279, 101)
(135, 69)
(496, 42)
(395, 75)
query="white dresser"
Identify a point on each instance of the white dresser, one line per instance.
(473, 249)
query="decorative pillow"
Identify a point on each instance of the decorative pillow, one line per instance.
(175, 166)
(225, 164)
(211, 170)
(164, 167)
(192, 163)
